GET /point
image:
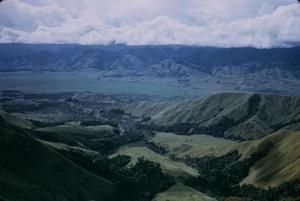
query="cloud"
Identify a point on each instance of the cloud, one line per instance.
(262, 24)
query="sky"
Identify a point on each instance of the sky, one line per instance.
(220, 23)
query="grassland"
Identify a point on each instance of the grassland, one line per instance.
(193, 145)
(180, 192)
(280, 164)
(13, 120)
(168, 166)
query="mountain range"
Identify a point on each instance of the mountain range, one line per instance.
(146, 123)
(216, 69)
(179, 59)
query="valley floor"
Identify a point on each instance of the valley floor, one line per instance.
(135, 148)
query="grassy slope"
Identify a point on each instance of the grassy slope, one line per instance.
(168, 166)
(206, 108)
(77, 129)
(282, 162)
(193, 145)
(180, 192)
(65, 147)
(241, 115)
(13, 120)
(31, 171)
(88, 137)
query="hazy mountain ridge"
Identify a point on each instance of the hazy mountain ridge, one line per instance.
(173, 70)
(203, 59)
(229, 115)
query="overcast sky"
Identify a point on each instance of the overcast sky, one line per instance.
(222, 23)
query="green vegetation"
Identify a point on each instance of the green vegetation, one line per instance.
(221, 176)
(280, 164)
(218, 174)
(31, 171)
(192, 145)
(11, 119)
(238, 116)
(102, 138)
(140, 182)
(125, 159)
(173, 168)
(180, 192)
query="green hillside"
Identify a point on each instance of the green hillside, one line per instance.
(182, 142)
(97, 138)
(13, 120)
(232, 115)
(193, 145)
(180, 192)
(280, 164)
(31, 171)
(169, 167)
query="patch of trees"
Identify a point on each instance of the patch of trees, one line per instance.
(143, 181)
(41, 124)
(217, 130)
(156, 148)
(97, 123)
(289, 191)
(220, 177)
(140, 182)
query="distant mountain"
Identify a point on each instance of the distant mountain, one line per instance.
(241, 116)
(200, 69)
(176, 60)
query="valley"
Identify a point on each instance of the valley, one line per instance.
(166, 71)
(151, 148)
(149, 100)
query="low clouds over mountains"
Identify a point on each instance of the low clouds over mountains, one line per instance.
(234, 23)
